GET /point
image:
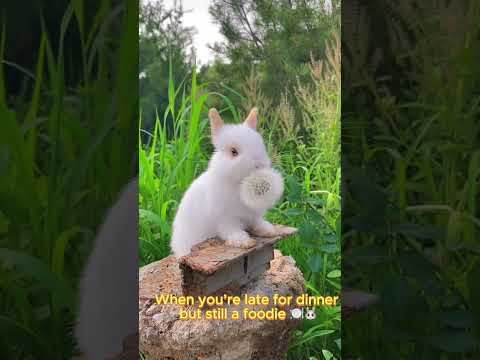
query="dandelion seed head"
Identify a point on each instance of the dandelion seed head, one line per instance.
(261, 189)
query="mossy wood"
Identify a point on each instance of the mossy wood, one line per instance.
(212, 265)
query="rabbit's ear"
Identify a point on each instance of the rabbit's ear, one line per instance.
(252, 119)
(216, 121)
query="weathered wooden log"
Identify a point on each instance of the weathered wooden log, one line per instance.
(214, 266)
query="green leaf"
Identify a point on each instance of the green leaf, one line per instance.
(314, 216)
(368, 255)
(331, 238)
(455, 226)
(294, 189)
(330, 248)
(312, 336)
(327, 354)
(422, 232)
(39, 271)
(307, 232)
(315, 262)
(404, 309)
(422, 271)
(334, 274)
(457, 318)
(453, 341)
(19, 334)
(315, 201)
(60, 247)
(293, 212)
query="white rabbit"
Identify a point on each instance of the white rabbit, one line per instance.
(212, 206)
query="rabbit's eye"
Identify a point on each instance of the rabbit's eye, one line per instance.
(234, 151)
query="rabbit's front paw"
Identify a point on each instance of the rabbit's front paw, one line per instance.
(240, 239)
(285, 230)
(263, 229)
(249, 243)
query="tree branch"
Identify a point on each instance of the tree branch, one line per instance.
(257, 40)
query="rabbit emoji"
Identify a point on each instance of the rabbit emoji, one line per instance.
(310, 315)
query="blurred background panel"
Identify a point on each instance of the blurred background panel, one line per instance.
(68, 143)
(410, 164)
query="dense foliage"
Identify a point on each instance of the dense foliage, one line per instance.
(275, 37)
(163, 38)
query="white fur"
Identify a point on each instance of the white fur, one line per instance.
(108, 310)
(212, 206)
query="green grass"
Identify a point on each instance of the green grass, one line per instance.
(177, 151)
(63, 161)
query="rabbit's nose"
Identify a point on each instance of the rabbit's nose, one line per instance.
(260, 164)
